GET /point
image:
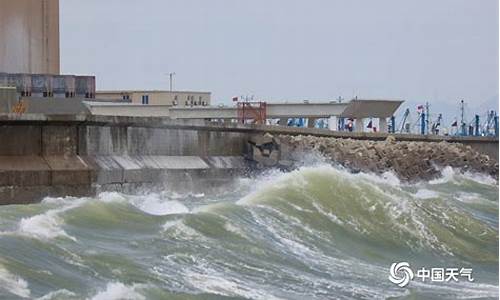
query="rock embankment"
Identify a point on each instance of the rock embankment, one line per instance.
(411, 161)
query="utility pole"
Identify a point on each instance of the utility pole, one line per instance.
(462, 123)
(476, 125)
(422, 123)
(171, 76)
(427, 115)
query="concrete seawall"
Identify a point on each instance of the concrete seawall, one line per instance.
(44, 155)
(76, 156)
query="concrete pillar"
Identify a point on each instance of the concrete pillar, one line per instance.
(359, 125)
(382, 124)
(310, 122)
(333, 123)
(203, 143)
(29, 31)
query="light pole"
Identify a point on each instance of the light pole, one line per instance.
(171, 76)
(462, 123)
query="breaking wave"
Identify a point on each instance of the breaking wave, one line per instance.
(316, 232)
(13, 283)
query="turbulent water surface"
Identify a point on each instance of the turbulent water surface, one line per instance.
(314, 233)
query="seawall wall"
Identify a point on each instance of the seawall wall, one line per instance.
(78, 155)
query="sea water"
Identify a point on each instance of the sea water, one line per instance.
(318, 232)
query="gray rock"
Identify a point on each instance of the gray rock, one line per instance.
(409, 160)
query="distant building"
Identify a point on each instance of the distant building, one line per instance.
(29, 36)
(173, 98)
(50, 86)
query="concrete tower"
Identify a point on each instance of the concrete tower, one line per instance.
(29, 36)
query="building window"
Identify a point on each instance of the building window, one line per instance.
(126, 97)
(145, 99)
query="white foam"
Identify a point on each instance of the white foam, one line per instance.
(59, 294)
(109, 197)
(275, 180)
(234, 229)
(426, 194)
(154, 205)
(209, 208)
(474, 198)
(57, 201)
(480, 178)
(170, 224)
(175, 195)
(213, 283)
(13, 284)
(328, 214)
(388, 178)
(449, 174)
(461, 290)
(119, 291)
(44, 226)
(179, 230)
(49, 224)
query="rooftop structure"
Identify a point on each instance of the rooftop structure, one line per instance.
(274, 110)
(356, 109)
(372, 108)
(156, 97)
(50, 86)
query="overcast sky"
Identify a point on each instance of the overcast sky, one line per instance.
(417, 50)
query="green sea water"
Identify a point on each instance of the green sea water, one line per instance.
(317, 232)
